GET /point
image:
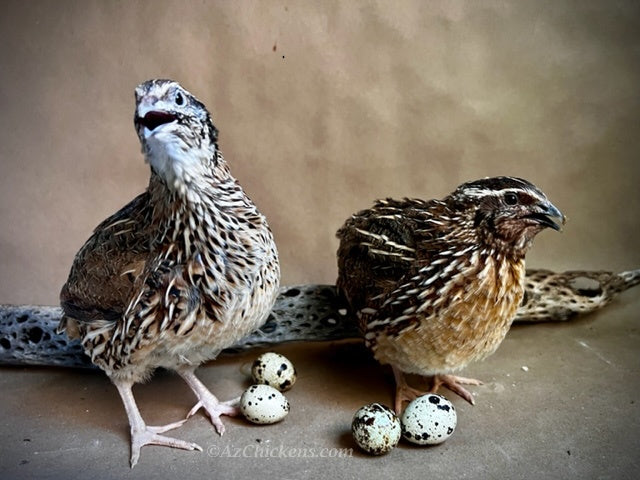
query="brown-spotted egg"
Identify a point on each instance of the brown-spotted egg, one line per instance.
(429, 420)
(275, 370)
(263, 404)
(376, 429)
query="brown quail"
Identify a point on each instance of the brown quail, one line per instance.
(436, 284)
(183, 271)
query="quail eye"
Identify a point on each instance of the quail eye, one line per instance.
(511, 198)
(179, 99)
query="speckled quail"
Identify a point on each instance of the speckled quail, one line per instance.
(436, 284)
(183, 271)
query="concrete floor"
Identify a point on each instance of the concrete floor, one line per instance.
(573, 413)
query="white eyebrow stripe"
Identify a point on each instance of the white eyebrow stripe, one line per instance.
(485, 192)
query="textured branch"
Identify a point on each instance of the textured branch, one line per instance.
(308, 313)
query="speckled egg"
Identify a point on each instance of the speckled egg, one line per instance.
(429, 420)
(376, 429)
(275, 370)
(263, 404)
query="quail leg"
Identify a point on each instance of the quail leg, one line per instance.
(143, 434)
(454, 384)
(404, 393)
(207, 400)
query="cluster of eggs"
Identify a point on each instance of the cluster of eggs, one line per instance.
(263, 402)
(427, 420)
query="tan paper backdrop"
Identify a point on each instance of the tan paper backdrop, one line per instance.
(322, 106)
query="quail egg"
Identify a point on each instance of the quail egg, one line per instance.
(263, 404)
(376, 429)
(275, 370)
(429, 420)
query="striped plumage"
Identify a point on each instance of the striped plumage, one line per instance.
(183, 271)
(436, 284)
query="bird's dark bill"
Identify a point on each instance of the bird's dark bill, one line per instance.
(545, 220)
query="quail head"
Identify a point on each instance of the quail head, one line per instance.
(436, 284)
(181, 272)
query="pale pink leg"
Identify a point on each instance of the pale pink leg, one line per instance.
(208, 401)
(454, 384)
(141, 433)
(404, 393)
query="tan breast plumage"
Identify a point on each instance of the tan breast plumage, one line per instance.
(473, 318)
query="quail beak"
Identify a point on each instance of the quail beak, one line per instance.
(154, 119)
(548, 215)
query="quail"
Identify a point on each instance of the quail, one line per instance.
(184, 270)
(435, 284)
